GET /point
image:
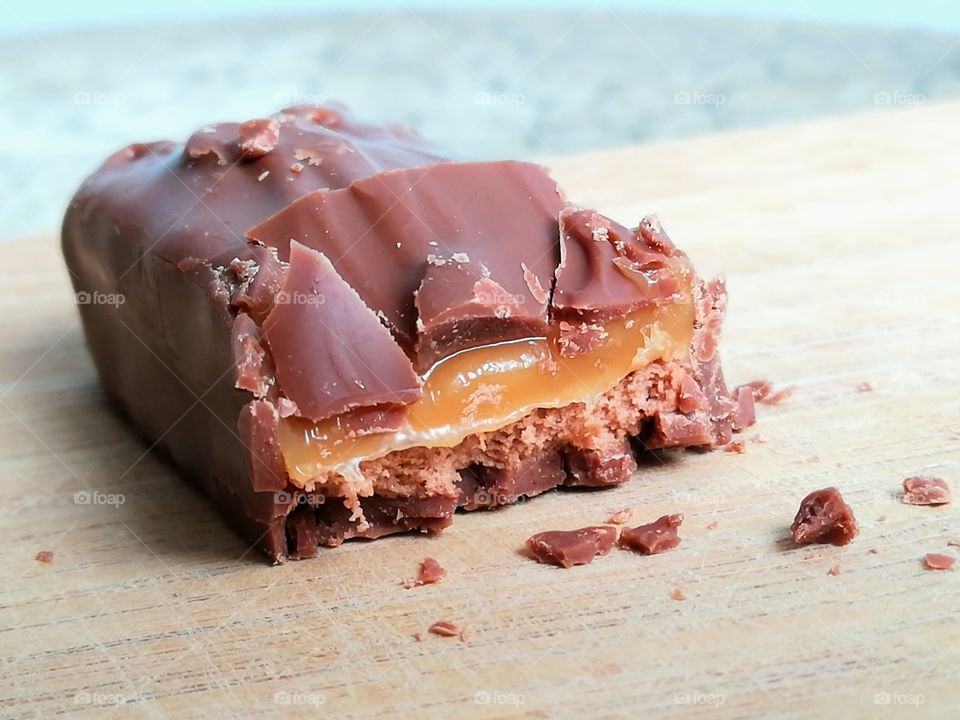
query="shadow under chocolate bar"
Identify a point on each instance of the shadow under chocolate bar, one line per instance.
(340, 330)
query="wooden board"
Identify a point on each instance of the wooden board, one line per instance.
(841, 240)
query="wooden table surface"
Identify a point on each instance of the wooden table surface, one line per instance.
(841, 242)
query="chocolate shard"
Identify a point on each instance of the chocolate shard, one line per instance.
(567, 548)
(653, 538)
(460, 306)
(401, 217)
(824, 517)
(330, 351)
(607, 270)
(923, 490)
(257, 427)
(254, 367)
(253, 276)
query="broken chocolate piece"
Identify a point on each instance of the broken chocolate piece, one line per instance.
(678, 594)
(824, 517)
(430, 572)
(45, 556)
(331, 352)
(460, 306)
(656, 537)
(607, 270)
(567, 548)
(922, 490)
(621, 516)
(255, 371)
(938, 561)
(447, 628)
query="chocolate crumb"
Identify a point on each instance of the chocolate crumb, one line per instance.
(656, 537)
(824, 517)
(430, 572)
(567, 548)
(922, 490)
(835, 570)
(865, 387)
(677, 594)
(938, 561)
(256, 138)
(735, 447)
(713, 525)
(45, 556)
(882, 518)
(446, 628)
(874, 551)
(619, 517)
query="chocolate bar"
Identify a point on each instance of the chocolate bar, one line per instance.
(340, 330)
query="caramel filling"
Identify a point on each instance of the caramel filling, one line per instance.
(487, 388)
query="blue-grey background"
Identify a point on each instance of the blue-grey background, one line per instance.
(491, 79)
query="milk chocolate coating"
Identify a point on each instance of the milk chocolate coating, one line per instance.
(330, 350)
(607, 270)
(381, 232)
(207, 353)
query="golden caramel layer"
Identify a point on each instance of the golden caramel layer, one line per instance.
(487, 388)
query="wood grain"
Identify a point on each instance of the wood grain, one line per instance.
(841, 241)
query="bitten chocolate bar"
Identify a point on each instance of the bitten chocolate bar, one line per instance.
(340, 330)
